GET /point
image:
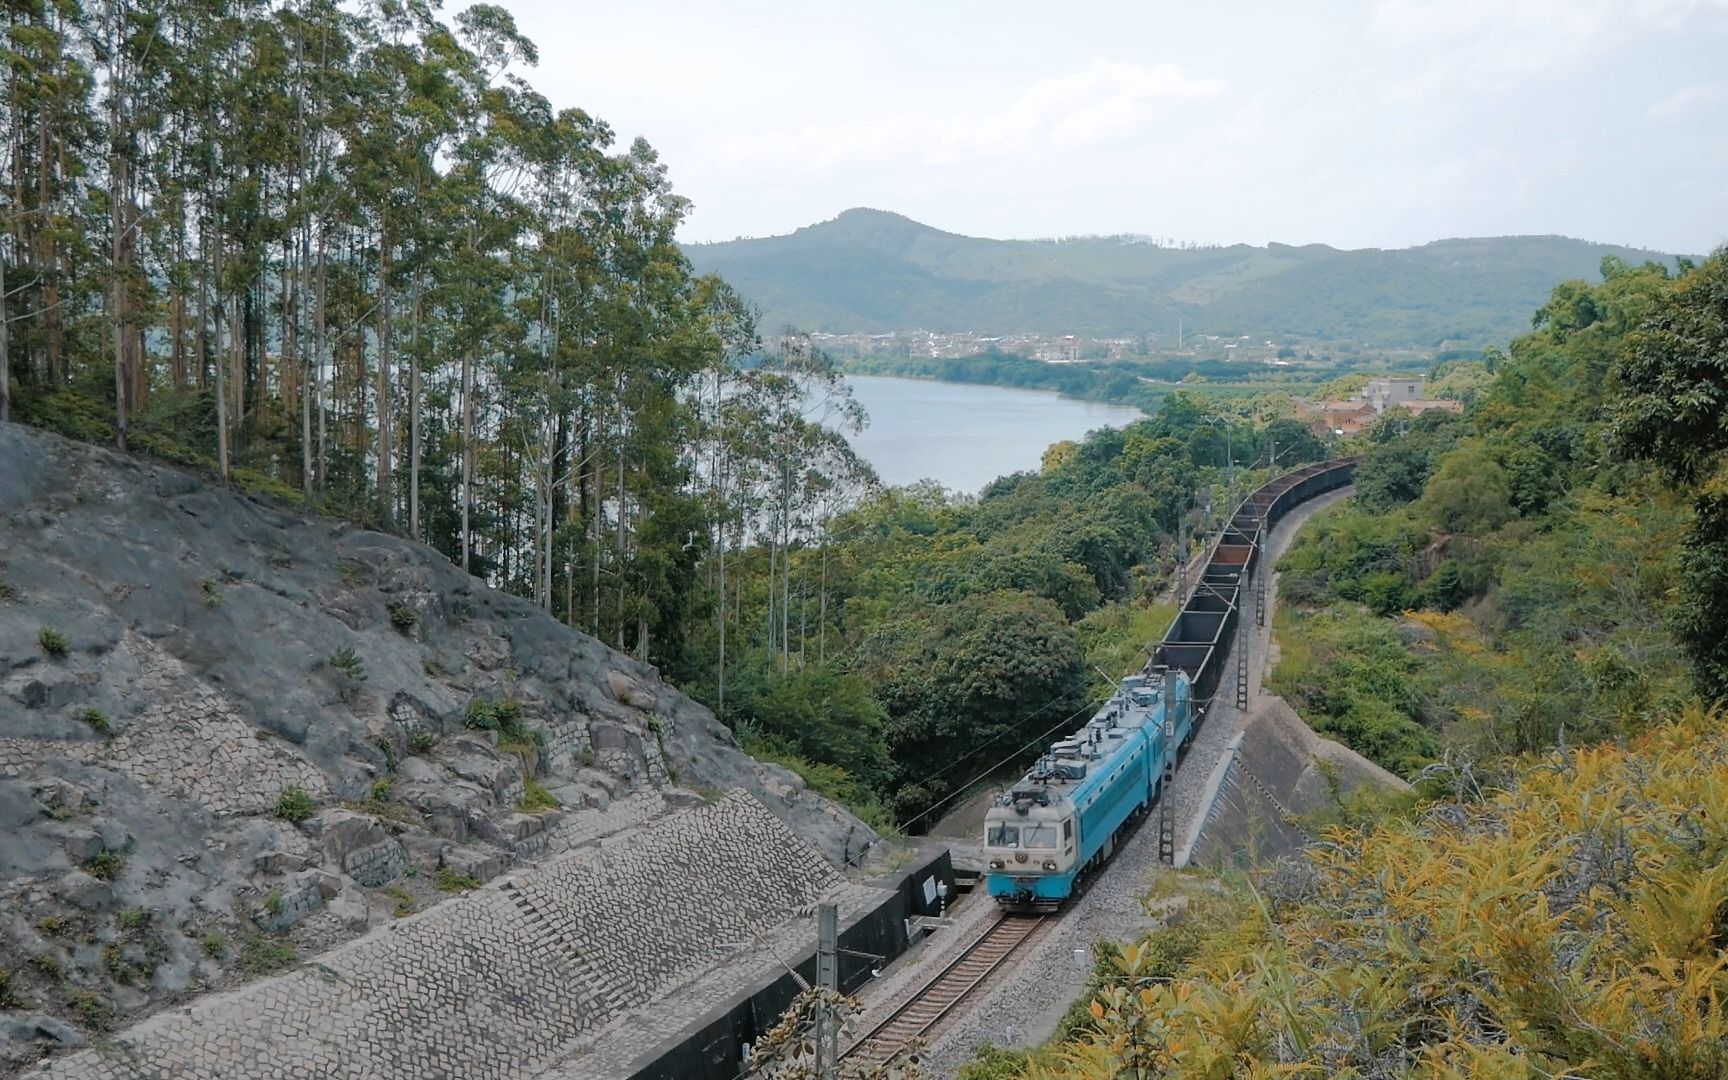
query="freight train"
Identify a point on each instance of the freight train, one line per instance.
(1064, 818)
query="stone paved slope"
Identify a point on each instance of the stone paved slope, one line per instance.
(515, 977)
(204, 672)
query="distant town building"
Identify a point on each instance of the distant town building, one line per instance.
(1377, 398)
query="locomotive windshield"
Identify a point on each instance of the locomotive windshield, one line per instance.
(1038, 836)
(1021, 836)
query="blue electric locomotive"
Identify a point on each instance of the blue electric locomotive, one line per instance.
(1063, 817)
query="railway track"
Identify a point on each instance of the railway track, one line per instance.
(938, 997)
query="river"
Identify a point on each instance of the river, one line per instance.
(963, 435)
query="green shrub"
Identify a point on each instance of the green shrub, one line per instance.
(53, 642)
(132, 920)
(381, 789)
(503, 716)
(212, 593)
(98, 721)
(106, 865)
(273, 902)
(92, 1011)
(422, 741)
(348, 662)
(403, 617)
(536, 799)
(405, 905)
(53, 925)
(453, 882)
(48, 966)
(294, 805)
(121, 968)
(262, 955)
(215, 945)
(829, 781)
(9, 998)
(996, 1063)
(8, 592)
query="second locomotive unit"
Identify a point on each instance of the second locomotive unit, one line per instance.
(1063, 817)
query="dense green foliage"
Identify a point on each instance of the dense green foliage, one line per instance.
(1509, 580)
(921, 637)
(1674, 378)
(869, 271)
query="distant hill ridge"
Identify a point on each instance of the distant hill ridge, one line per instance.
(875, 271)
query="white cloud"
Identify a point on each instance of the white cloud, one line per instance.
(1675, 107)
(1107, 102)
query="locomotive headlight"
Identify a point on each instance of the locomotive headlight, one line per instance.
(1049, 864)
(997, 864)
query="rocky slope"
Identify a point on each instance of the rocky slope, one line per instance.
(231, 736)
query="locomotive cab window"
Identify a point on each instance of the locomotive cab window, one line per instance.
(1039, 836)
(1003, 836)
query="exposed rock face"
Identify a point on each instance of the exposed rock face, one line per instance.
(176, 658)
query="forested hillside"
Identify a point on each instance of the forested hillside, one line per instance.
(1545, 568)
(349, 260)
(871, 271)
(1523, 610)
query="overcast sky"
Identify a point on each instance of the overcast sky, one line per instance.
(1381, 124)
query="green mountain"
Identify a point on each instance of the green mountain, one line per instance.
(872, 271)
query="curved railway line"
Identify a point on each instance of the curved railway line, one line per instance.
(936, 999)
(1199, 642)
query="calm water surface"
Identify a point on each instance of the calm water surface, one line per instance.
(965, 436)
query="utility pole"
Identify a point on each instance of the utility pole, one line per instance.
(827, 979)
(1230, 471)
(1182, 561)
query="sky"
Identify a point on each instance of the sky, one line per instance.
(1380, 123)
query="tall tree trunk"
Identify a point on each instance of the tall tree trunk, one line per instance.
(5, 350)
(786, 602)
(720, 703)
(467, 458)
(623, 537)
(386, 450)
(221, 361)
(117, 272)
(177, 304)
(414, 417)
(237, 366)
(202, 343)
(47, 259)
(822, 608)
(320, 349)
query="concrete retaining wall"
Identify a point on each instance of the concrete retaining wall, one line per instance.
(716, 1050)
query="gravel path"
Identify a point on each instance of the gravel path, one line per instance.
(1024, 1005)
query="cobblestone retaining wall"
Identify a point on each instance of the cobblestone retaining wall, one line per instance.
(504, 980)
(190, 743)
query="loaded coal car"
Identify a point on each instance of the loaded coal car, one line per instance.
(1062, 819)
